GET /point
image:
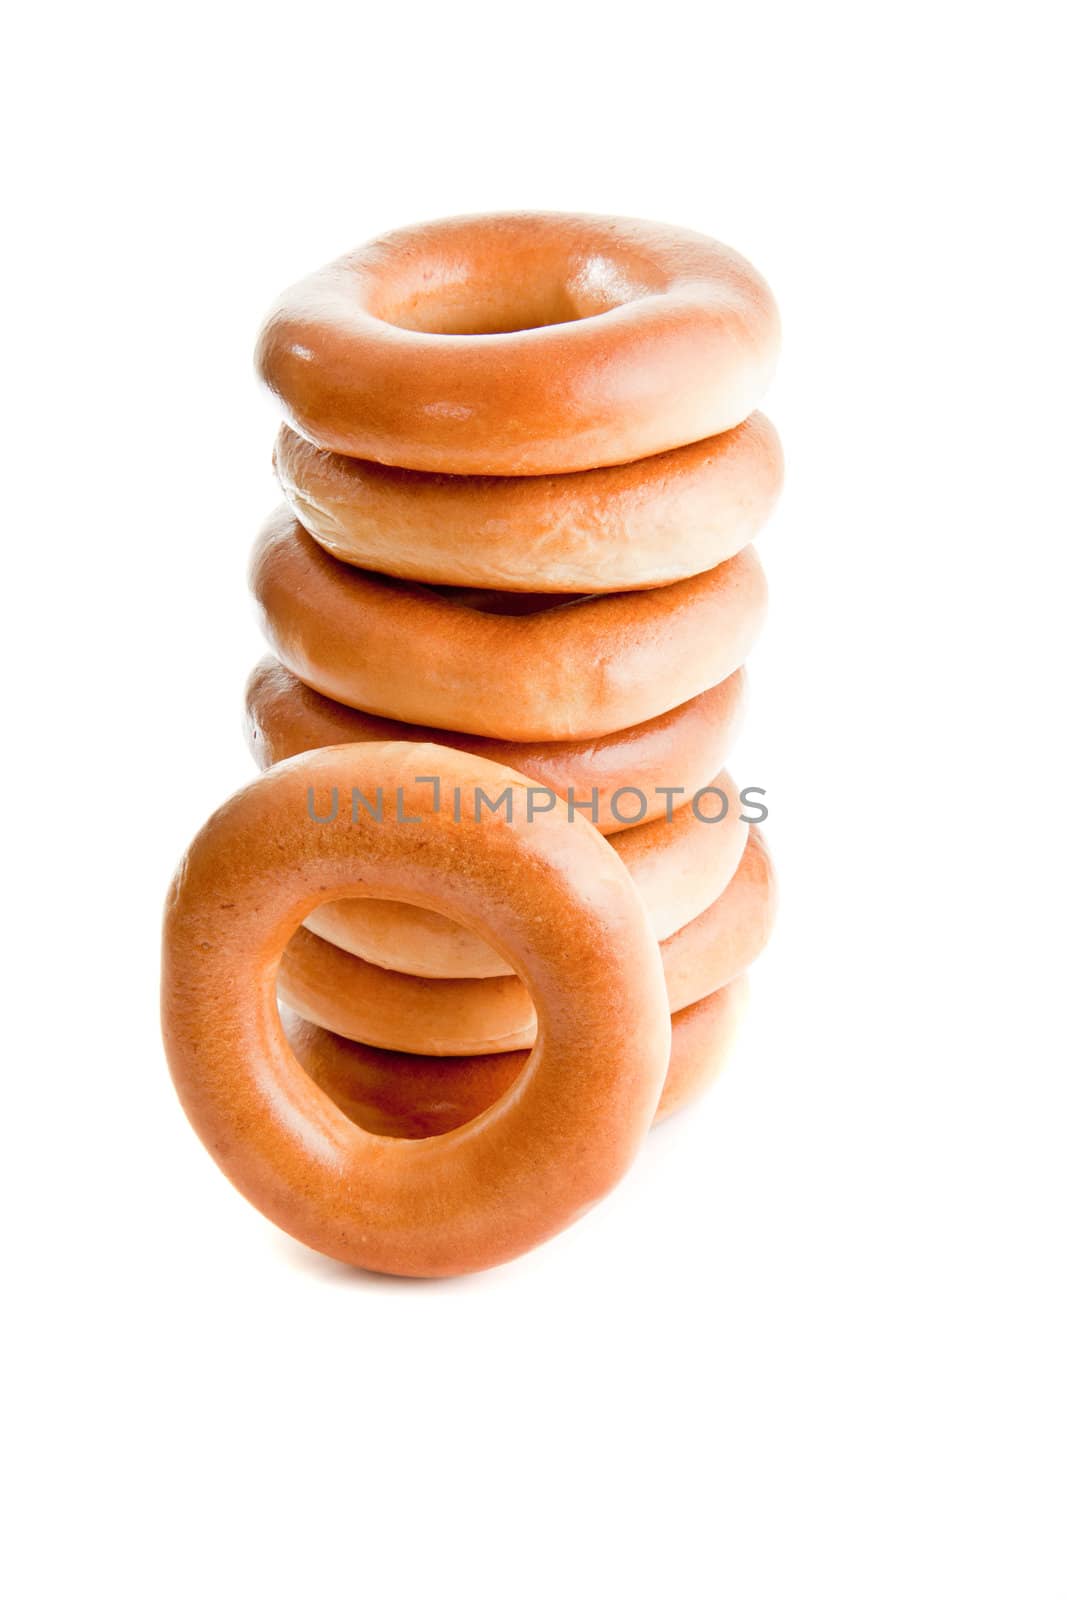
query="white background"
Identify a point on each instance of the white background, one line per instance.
(814, 1345)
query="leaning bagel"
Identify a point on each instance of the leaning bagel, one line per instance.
(550, 893)
(636, 526)
(573, 669)
(417, 1097)
(597, 340)
(673, 755)
(679, 867)
(475, 1016)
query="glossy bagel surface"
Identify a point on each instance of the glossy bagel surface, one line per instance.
(522, 343)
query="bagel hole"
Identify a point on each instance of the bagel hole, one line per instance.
(544, 295)
(457, 313)
(394, 1096)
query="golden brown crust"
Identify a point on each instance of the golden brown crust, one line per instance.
(522, 343)
(679, 867)
(549, 892)
(641, 525)
(417, 1097)
(575, 669)
(475, 1016)
(674, 754)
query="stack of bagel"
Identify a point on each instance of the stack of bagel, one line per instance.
(522, 473)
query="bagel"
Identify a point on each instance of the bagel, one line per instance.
(521, 344)
(417, 1097)
(637, 526)
(573, 669)
(550, 894)
(679, 866)
(480, 1016)
(674, 754)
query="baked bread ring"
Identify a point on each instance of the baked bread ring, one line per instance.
(675, 754)
(549, 893)
(679, 866)
(599, 340)
(636, 526)
(479, 1016)
(417, 1097)
(573, 669)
